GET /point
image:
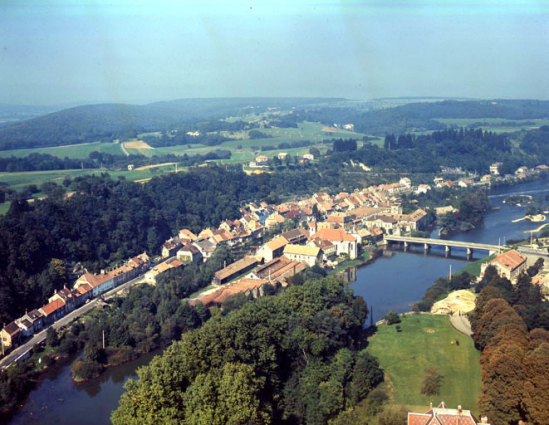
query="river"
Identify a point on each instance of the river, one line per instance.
(387, 284)
(395, 284)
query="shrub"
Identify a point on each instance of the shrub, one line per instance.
(392, 318)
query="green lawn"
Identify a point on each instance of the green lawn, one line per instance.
(474, 267)
(358, 260)
(4, 208)
(71, 151)
(405, 355)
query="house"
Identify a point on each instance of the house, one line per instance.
(187, 234)
(235, 269)
(27, 329)
(100, 283)
(282, 155)
(273, 248)
(423, 188)
(205, 247)
(350, 127)
(486, 178)
(170, 247)
(82, 294)
(444, 210)
(10, 335)
(521, 170)
(261, 159)
(53, 311)
(150, 277)
(308, 157)
(309, 255)
(130, 167)
(388, 223)
(442, 415)
(328, 248)
(66, 296)
(36, 318)
(405, 181)
(296, 236)
(495, 168)
(509, 264)
(344, 242)
(189, 254)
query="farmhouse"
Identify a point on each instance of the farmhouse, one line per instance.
(443, 415)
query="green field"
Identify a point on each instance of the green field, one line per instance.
(17, 181)
(4, 208)
(491, 124)
(71, 151)
(405, 355)
(474, 267)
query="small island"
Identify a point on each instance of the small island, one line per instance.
(518, 200)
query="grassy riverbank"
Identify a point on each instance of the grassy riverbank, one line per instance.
(474, 267)
(405, 355)
(361, 259)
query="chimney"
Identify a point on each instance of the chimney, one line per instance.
(460, 411)
(102, 271)
(484, 420)
(431, 405)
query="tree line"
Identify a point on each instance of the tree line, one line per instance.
(510, 325)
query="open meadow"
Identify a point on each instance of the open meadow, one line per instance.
(405, 355)
(71, 151)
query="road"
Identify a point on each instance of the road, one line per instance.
(124, 149)
(462, 324)
(75, 314)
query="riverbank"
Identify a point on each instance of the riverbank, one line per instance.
(363, 259)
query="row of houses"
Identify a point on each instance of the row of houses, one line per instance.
(64, 301)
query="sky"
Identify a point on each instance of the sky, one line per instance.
(75, 51)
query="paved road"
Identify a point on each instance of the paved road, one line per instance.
(462, 324)
(38, 338)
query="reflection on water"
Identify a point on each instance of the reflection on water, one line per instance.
(58, 400)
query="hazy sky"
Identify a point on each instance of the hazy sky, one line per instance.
(56, 51)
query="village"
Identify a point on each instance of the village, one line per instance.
(275, 242)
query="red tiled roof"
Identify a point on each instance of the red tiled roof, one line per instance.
(334, 235)
(418, 418)
(12, 329)
(52, 307)
(510, 259)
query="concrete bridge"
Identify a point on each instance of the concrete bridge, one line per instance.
(448, 245)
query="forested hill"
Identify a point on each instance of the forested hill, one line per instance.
(423, 116)
(106, 122)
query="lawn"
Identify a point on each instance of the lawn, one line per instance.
(405, 355)
(365, 256)
(474, 267)
(71, 151)
(4, 208)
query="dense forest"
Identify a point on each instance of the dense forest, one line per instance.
(473, 150)
(510, 324)
(288, 359)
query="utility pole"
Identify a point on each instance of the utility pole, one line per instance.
(450, 274)
(103, 339)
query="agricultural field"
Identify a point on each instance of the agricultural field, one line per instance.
(405, 355)
(18, 181)
(71, 151)
(493, 124)
(138, 147)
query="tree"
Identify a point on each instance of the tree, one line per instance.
(52, 339)
(315, 152)
(392, 318)
(431, 381)
(394, 415)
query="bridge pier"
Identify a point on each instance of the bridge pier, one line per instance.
(469, 253)
(406, 245)
(426, 247)
(447, 251)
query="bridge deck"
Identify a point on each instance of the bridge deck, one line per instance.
(442, 242)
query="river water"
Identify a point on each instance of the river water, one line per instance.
(387, 284)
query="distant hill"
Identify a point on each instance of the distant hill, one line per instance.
(106, 122)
